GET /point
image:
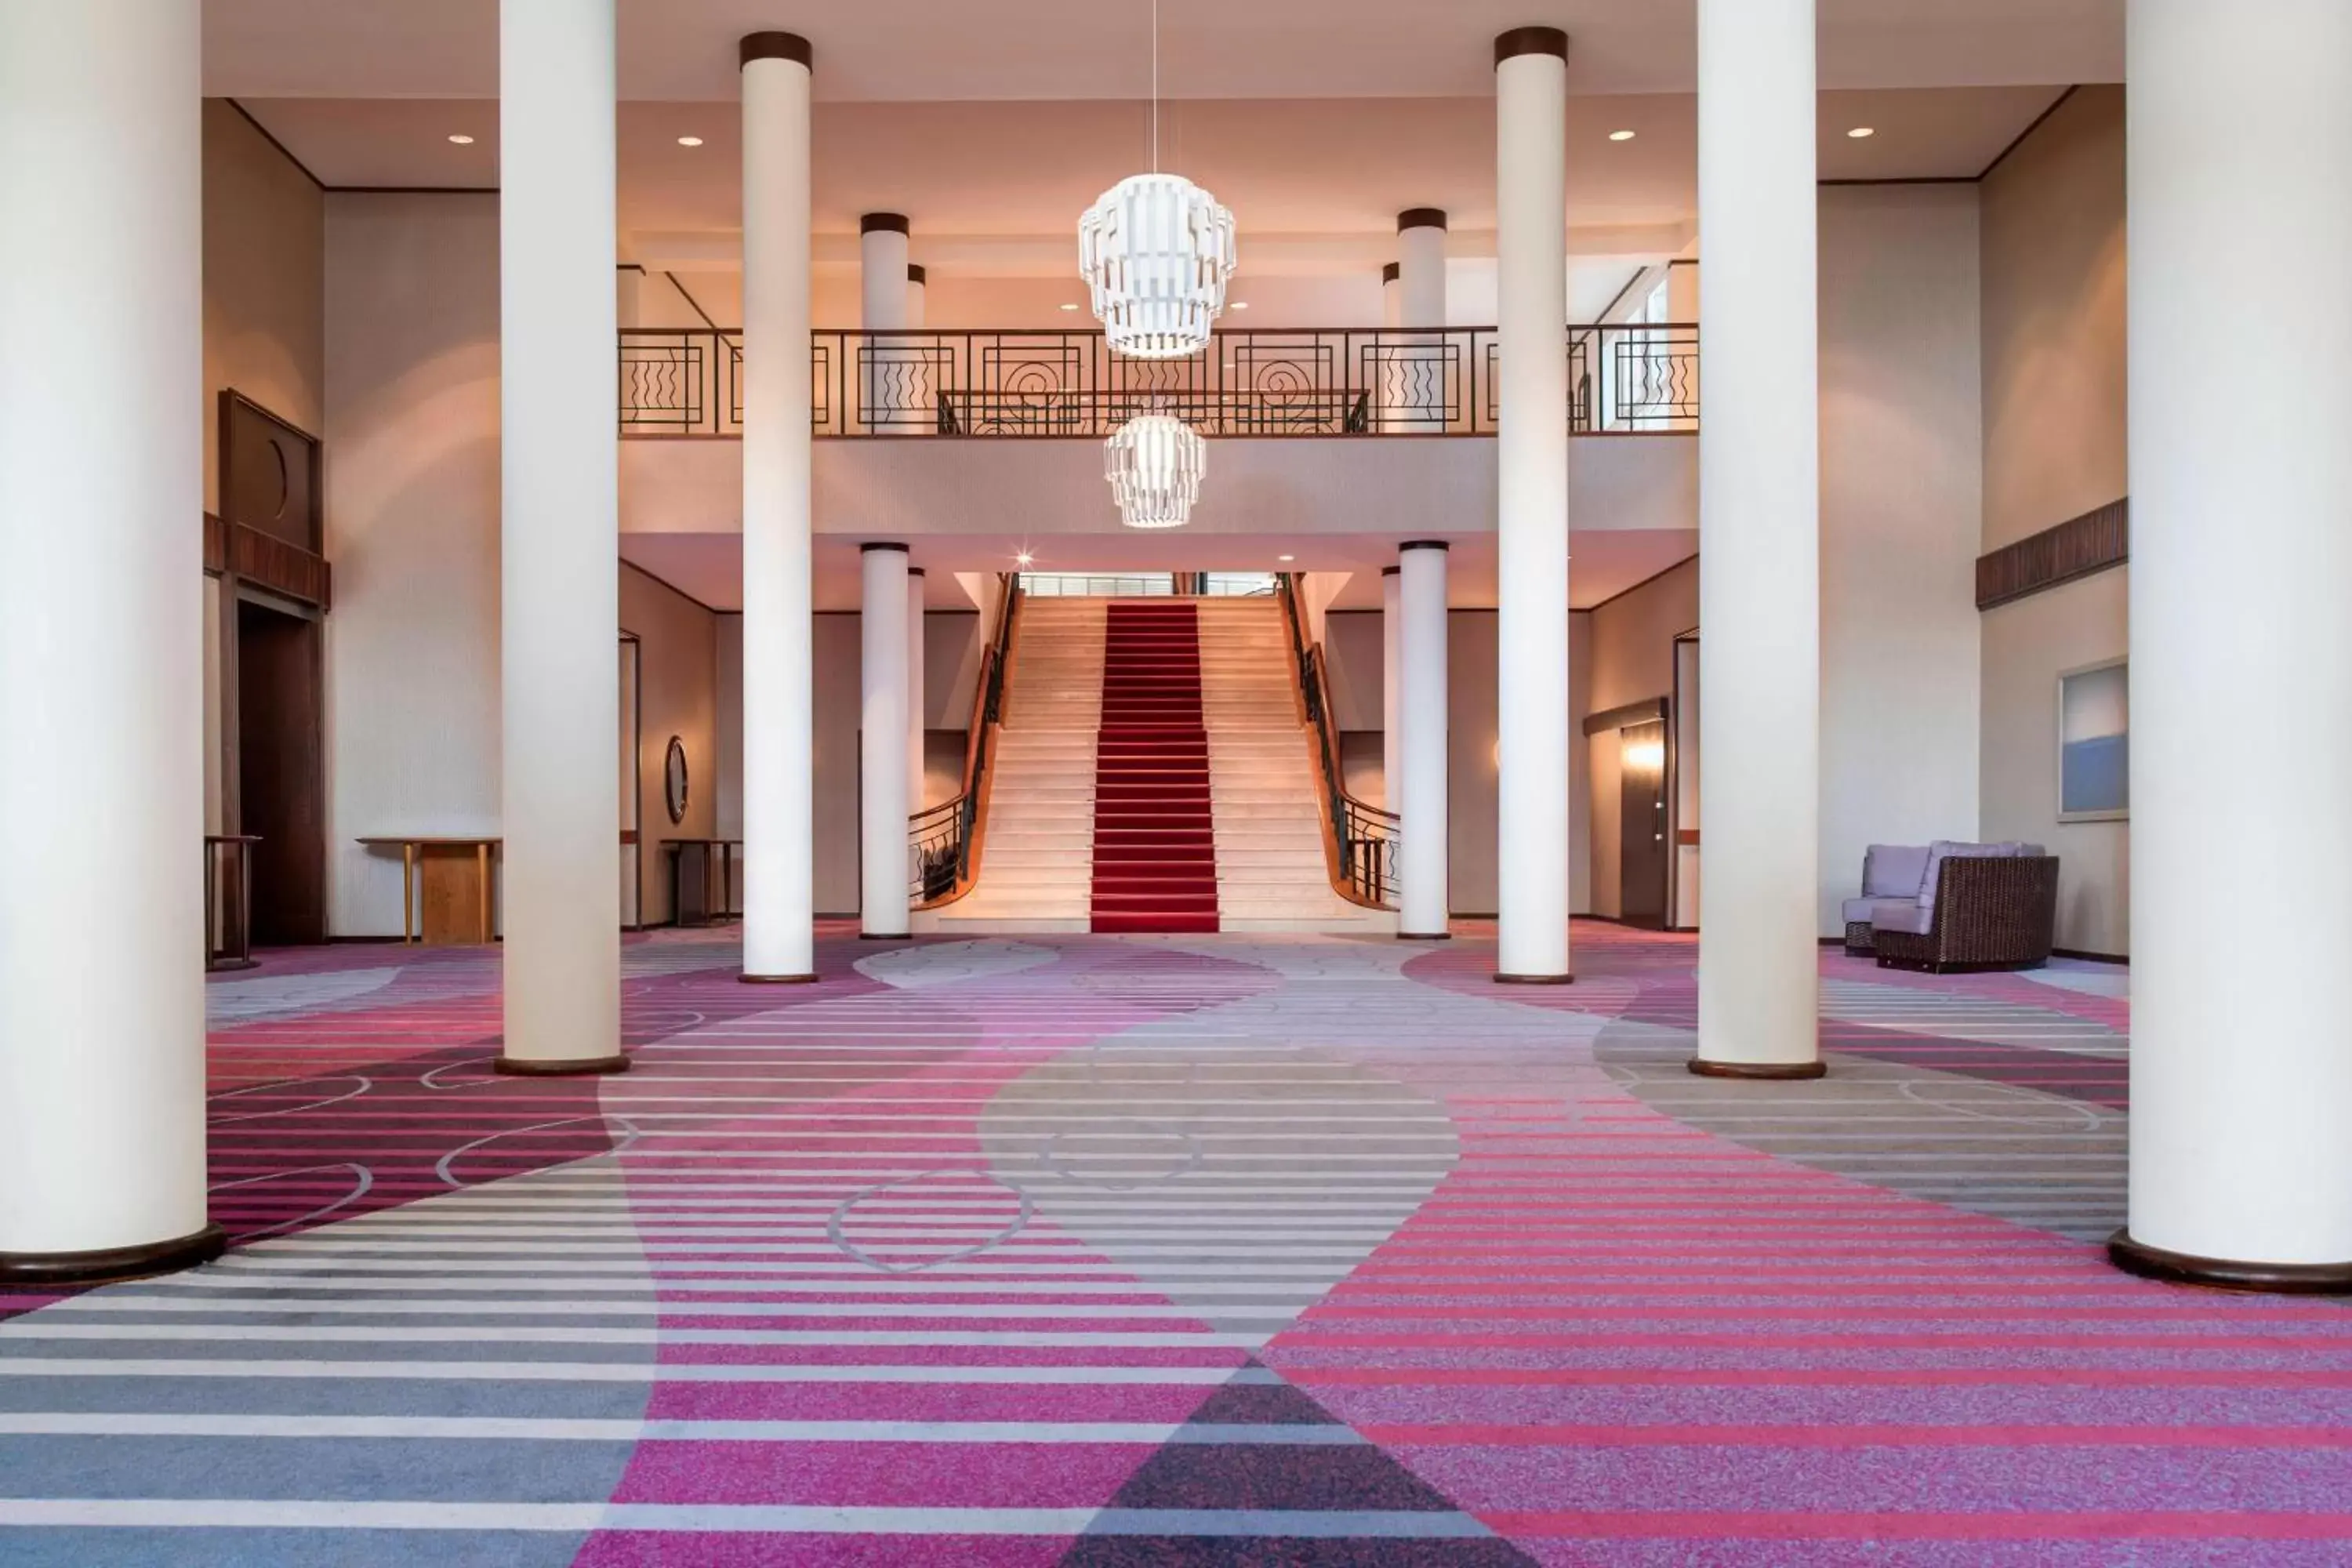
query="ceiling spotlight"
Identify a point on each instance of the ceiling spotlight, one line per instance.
(1068, 306)
(462, 140)
(1285, 557)
(1621, 135)
(689, 141)
(1023, 559)
(1862, 132)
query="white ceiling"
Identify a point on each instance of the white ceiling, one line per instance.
(928, 50)
(1606, 561)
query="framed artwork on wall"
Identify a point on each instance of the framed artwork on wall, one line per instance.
(2095, 742)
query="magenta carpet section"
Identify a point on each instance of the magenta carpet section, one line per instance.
(1168, 1248)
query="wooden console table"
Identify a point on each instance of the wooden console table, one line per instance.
(696, 866)
(446, 887)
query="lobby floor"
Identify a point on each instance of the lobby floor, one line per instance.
(1168, 1250)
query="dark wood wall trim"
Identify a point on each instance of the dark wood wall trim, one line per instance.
(2076, 548)
(1649, 711)
(232, 550)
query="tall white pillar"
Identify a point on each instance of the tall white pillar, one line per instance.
(1531, 545)
(559, 510)
(916, 712)
(882, 742)
(102, 982)
(1391, 690)
(1422, 711)
(2240, 130)
(779, 881)
(1759, 541)
(1419, 359)
(891, 400)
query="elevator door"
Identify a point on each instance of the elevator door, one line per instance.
(1643, 856)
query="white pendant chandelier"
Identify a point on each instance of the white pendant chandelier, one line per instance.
(1155, 463)
(1155, 251)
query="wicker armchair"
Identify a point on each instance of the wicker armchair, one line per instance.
(1991, 912)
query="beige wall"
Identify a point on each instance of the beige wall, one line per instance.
(2028, 643)
(677, 694)
(1900, 514)
(1352, 647)
(265, 280)
(2054, 323)
(412, 433)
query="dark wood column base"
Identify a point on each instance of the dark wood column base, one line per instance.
(1761, 1072)
(519, 1067)
(39, 1270)
(777, 979)
(1503, 979)
(2181, 1268)
(886, 936)
(1424, 936)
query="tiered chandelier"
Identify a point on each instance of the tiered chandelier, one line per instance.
(1156, 251)
(1155, 464)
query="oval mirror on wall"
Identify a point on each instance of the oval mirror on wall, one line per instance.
(674, 779)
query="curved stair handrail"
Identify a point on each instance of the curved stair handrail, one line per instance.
(944, 841)
(1359, 840)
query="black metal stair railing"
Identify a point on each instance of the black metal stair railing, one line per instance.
(943, 840)
(1364, 840)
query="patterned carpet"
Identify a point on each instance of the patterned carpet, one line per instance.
(1168, 1250)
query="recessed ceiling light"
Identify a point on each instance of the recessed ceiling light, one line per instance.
(1621, 135)
(1068, 306)
(1240, 304)
(1862, 132)
(1023, 559)
(1285, 557)
(462, 140)
(689, 141)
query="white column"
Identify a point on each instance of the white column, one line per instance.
(889, 402)
(779, 881)
(1759, 541)
(1422, 710)
(559, 530)
(1531, 546)
(882, 742)
(2240, 128)
(102, 690)
(917, 709)
(1391, 692)
(1418, 361)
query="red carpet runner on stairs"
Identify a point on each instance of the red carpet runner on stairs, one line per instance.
(1155, 839)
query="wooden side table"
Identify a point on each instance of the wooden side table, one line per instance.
(697, 866)
(446, 888)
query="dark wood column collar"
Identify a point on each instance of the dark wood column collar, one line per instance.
(1391, 272)
(883, 223)
(915, 274)
(1530, 41)
(776, 47)
(1421, 217)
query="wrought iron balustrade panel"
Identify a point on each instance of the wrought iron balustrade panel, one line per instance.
(1327, 382)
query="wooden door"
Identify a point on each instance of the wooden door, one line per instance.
(281, 776)
(1643, 856)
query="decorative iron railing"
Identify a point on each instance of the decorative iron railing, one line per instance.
(1248, 382)
(942, 841)
(1363, 840)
